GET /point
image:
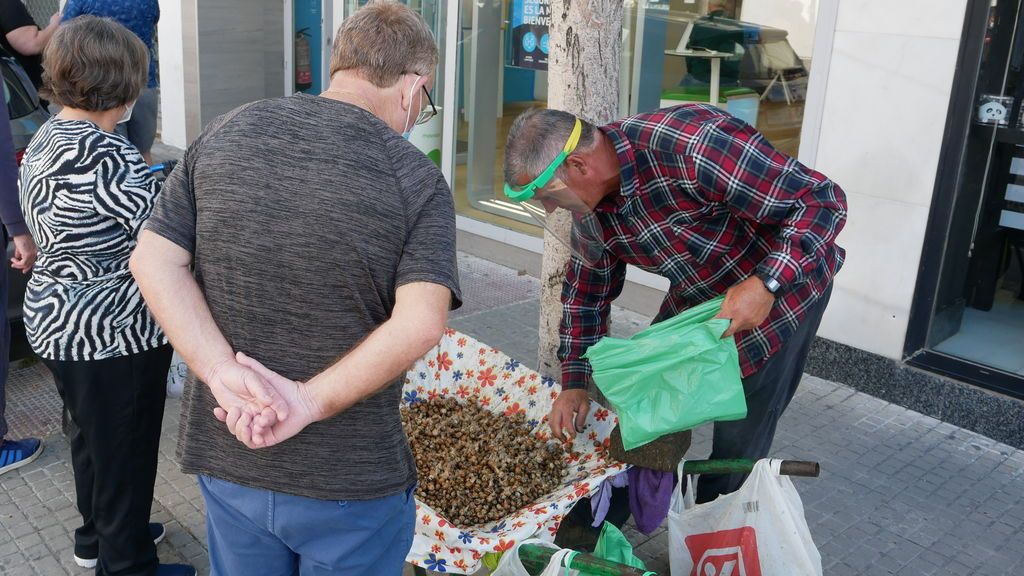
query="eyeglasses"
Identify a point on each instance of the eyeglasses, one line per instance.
(427, 113)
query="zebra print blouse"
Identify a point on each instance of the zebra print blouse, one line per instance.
(85, 194)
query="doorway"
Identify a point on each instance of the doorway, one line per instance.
(968, 317)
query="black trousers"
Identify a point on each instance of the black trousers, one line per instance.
(768, 392)
(118, 405)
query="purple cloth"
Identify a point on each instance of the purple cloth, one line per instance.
(650, 495)
(600, 502)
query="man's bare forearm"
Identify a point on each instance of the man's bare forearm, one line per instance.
(415, 327)
(161, 269)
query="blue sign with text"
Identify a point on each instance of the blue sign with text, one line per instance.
(530, 22)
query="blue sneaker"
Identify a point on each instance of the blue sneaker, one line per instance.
(175, 570)
(16, 453)
(87, 559)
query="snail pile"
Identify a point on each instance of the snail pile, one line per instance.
(475, 466)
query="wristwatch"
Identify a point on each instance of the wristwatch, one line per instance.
(769, 282)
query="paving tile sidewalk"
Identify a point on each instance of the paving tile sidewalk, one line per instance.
(900, 493)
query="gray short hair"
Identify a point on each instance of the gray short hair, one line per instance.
(94, 64)
(536, 138)
(382, 41)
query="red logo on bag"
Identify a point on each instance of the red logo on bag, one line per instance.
(725, 553)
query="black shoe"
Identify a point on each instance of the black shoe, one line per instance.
(176, 570)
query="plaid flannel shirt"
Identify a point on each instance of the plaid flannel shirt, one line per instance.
(706, 202)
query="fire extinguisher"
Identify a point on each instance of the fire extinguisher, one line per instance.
(303, 64)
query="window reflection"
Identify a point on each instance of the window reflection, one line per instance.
(754, 55)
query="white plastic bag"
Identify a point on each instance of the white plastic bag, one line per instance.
(511, 565)
(176, 376)
(759, 530)
(555, 566)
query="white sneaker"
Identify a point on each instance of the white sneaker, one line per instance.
(156, 530)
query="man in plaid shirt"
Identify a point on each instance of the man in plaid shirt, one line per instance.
(701, 198)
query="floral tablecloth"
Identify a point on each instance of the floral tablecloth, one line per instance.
(462, 367)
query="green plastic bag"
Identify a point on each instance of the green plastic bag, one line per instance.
(613, 546)
(673, 376)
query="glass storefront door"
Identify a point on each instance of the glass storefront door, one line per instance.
(485, 92)
(428, 137)
(969, 319)
(491, 93)
(308, 19)
(752, 56)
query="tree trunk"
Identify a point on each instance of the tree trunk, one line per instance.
(583, 78)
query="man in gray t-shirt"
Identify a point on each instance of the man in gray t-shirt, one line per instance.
(316, 232)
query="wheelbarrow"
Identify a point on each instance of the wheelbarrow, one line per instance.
(463, 368)
(536, 558)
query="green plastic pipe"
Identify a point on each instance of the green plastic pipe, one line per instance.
(788, 468)
(535, 559)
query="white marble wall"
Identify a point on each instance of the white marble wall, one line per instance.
(273, 51)
(214, 56)
(179, 72)
(889, 83)
(241, 53)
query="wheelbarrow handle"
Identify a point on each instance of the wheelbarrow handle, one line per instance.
(536, 558)
(788, 467)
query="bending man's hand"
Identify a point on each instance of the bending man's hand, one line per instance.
(747, 305)
(569, 414)
(263, 428)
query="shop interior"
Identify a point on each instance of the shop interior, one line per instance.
(670, 48)
(979, 313)
(752, 56)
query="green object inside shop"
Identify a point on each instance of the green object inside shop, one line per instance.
(703, 93)
(435, 156)
(743, 103)
(676, 375)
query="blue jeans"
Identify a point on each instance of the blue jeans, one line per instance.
(252, 531)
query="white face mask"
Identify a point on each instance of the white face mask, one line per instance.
(408, 132)
(127, 113)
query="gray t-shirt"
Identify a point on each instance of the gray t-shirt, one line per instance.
(303, 215)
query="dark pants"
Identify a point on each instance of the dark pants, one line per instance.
(768, 393)
(118, 405)
(5, 341)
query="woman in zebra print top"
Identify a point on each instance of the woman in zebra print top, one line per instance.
(86, 193)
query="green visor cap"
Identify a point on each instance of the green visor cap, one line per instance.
(524, 193)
